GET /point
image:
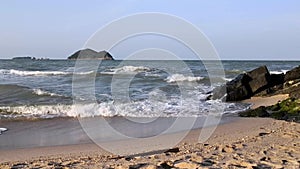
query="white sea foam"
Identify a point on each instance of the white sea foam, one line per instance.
(40, 73)
(2, 130)
(180, 78)
(44, 93)
(279, 72)
(127, 70)
(154, 107)
(227, 79)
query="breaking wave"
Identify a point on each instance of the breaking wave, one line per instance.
(44, 93)
(40, 73)
(127, 70)
(279, 72)
(181, 78)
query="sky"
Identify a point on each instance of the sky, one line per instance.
(239, 30)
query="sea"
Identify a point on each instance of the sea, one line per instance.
(43, 89)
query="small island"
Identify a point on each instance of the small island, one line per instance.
(89, 54)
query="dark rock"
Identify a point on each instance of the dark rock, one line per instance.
(207, 162)
(263, 134)
(239, 93)
(258, 71)
(292, 74)
(173, 150)
(288, 110)
(244, 86)
(218, 93)
(259, 82)
(165, 165)
(91, 54)
(259, 79)
(276, 79)
(259, 112)
(237, 89)
(275, 85)
(294, 92)
(19, 165)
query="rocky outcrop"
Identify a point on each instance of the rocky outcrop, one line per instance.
(292, 74)
(91, 54)
(245, 85)
(288, 110)
(259, 82)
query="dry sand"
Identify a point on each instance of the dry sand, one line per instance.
(266, 101)
(243, 143)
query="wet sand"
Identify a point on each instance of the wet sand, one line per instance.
(244, 142)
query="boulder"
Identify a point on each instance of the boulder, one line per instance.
(244, 86)
(258, 112)
(259, 82)
(292, 74)
(276, 79)
(237, 94)
(237, 89)
(259, 79)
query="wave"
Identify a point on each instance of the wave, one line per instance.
(44, 93)
(126, 70)
(227, 79)
(2, 130)
(155, 107)
(40, 73)
(279, 72)
(235, 71)
(180, 78)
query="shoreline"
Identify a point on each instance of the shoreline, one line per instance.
(250, 134)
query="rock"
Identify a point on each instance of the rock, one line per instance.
(91, 54)
(245, 85)
(292, 74)
(173, 150)
(228, 149)
(259, 112)
(165, 165)
(19, 165)
(276, 79)
(239, 164)
(259, 78)
(196, 158)
(186, 165)
(239, 93)
(263, 133)
(148, 167)
(207, 162)
(237, 89)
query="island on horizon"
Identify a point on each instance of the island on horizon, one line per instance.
(91, 54)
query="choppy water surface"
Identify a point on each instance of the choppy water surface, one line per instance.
(45, 88)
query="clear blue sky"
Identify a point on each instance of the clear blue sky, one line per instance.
(252, 29)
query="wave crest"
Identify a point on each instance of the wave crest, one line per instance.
(127, 70)
(40, 73)
(44, 93)
(180, 78)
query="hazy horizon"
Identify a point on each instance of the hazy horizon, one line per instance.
(239, 30)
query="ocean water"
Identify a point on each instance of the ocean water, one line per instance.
(59, 88)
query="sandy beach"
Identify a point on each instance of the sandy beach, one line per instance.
(242, 143)
(265, 101)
